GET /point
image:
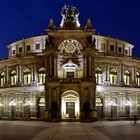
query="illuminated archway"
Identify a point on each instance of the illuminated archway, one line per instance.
(113, 76)
(99, 107)
(98, 75)
(70, 106)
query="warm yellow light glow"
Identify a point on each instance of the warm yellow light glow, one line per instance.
(128, 103)
(99, 88)
(70, 96)
(28, 103)
(1, 104)
(112, 103)
(12, 103)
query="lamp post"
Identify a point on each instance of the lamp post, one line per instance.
(1, 105)
(111, 104)
(12, 104)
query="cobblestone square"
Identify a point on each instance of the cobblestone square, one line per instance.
(39, 130)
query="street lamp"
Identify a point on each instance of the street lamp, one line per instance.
(1, 105)
(12, 104)
(29, 104)
(111, 104)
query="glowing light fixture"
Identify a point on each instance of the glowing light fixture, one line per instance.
(12, 103)
(28, 103)
(128, 103)
(1, 104)
(112, 103)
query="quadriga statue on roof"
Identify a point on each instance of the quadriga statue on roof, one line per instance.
(69, 16)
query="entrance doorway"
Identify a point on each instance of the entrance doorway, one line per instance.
(41, 108)
(70, 105)
(70, 109)
(99, 107)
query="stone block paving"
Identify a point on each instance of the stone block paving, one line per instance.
(39, 130)
(71, 132)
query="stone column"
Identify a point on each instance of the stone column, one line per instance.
(19, 74)
(121, 80)
(106, 106)
(50, 66)
(129, 52)
(55, 66)
(33, 108)
(84, 67)
(106, 74)
(32, 73)
(6, 69)
(107, 44)
(108, 71)
(47, 67)
(134, 104)
(88, 66)
(133, 76)
(23, 44)
(93, 68)
(33, 70)
(10, 52)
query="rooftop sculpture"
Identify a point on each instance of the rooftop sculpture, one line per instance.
(69, 17)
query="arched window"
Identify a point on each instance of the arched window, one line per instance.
(42, 102)
(13, 77)
(2, 79)
(128, 101)
(27, 102)
(69, 69)
(113, 76)
(127, 77)
(27, 76)
(99, 101)
(138, 78)
(41, 75)
(98, 75)
(12, 102)
(114, 100)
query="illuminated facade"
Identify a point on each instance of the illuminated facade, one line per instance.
(69, 73)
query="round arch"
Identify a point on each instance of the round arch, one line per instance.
(98, 75)
(41, 107)
(113, 76)
(99, 107)
(138, 78)
(127, 77)
(70, 105)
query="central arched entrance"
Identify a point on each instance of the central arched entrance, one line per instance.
(70, 105)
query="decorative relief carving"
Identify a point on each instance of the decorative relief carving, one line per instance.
(70, 47)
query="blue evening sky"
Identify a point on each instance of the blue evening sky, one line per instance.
(25, 18)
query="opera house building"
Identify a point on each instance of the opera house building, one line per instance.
(70, 73)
